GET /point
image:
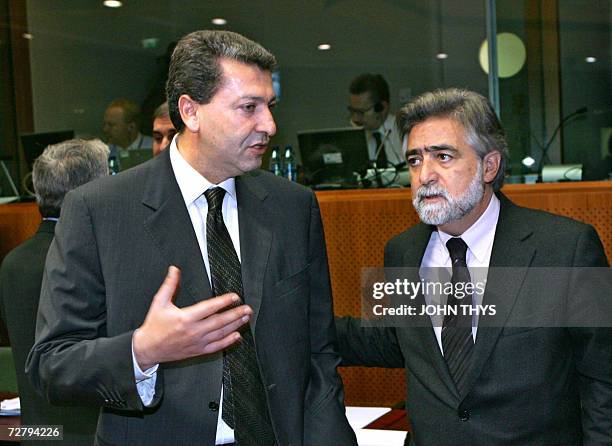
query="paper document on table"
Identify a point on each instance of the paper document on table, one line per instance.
(10, 407)
(359, 417)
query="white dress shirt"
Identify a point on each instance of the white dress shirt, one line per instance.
(479, 238)
(192, 186)
(393, 145)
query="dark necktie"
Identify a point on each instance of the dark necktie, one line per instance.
(244, 400)
(381, 159)
(457, 340)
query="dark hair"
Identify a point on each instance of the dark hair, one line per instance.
(484, 132)
(374, 84)
(195, 68)
(65, 166)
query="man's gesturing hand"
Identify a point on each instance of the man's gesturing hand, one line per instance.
(170, 333)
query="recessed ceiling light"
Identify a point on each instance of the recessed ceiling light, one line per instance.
(324, 47)
(27, 36)
(590, 59)
(528, 161)
(441, 56)
(112, 3)
(219, 21)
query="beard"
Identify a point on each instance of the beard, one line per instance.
(450, 208)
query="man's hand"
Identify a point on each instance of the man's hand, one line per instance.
(170, 333)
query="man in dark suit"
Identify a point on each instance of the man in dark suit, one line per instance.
(512, 379)
(170, 364)
(60, 168)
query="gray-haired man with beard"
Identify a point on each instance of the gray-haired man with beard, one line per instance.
(479, 384)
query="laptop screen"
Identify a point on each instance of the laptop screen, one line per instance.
(34, 143)
(334, 155)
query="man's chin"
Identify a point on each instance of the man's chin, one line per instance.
(432, 214)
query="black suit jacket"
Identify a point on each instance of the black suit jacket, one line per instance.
(20, 279)
(113, 245)
(528, 385)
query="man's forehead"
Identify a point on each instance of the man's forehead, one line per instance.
(114, 113)
(361, 98)
(163, 121)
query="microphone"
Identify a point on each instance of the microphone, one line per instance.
(580, 111)
(380, 146)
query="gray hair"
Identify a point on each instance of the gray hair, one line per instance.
(484, 132)
(65, 166)
(195, 68)
(161, 111)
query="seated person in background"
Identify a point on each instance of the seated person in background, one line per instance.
(121, 128)
(60, 168)
(163, 129)
(369, 108)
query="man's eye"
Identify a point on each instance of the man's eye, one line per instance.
(444, 157)
(413, 162)
(249, 107)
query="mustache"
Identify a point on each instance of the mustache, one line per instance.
(430, 191)
(264, 141)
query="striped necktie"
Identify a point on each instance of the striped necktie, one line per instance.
(244, 399)
(457, 340)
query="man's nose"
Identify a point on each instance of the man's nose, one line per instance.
(266, 123)
(427, 172)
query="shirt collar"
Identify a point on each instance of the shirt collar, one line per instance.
(136, 144)
(191, 183)
(478, 237)
(386, 125)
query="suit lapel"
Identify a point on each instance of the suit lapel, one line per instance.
(170, 228)
(255, 239)
(510, 258)
(424, 331)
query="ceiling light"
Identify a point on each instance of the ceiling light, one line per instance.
(112, 3)
(590, 59)
(27, 36)
(219, 21)
(324, 47)
(528, 161)
(441, 56)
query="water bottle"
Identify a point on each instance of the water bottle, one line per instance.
(289, 163)
(113, 165)
(276, 163)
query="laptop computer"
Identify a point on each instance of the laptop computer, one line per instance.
(334, 158)
(134, 158)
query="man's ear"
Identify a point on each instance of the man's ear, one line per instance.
(491, 163)
(188, 108)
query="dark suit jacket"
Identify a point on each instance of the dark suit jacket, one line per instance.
(528, 385)
(113, 245)
(20, 278)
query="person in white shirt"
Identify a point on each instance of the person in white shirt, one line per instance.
(527, 372)
(121, 128)
(369, 107)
